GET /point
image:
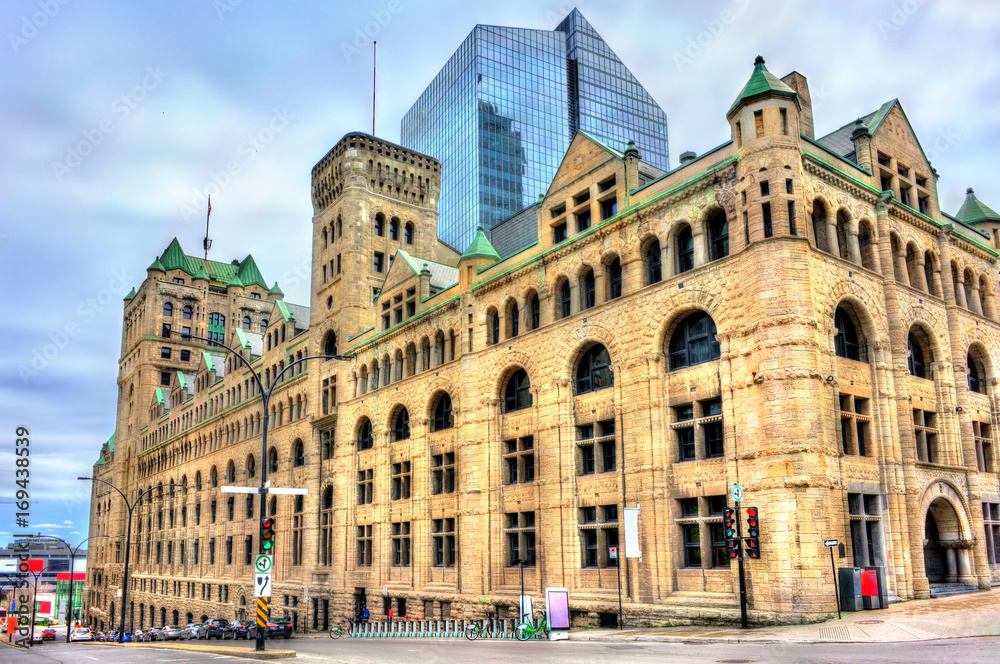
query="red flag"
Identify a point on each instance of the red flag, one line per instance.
(209, 208)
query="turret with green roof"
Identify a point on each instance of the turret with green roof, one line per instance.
(480, 247)
(762, 84)
(974, 211)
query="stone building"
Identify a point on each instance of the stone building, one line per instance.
(791, 314)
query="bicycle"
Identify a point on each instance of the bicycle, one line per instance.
(337, 631)
(472, 631)
(526, 631)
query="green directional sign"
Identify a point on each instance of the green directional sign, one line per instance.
(737, 493)
(263, 563)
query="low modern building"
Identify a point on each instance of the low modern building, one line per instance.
(792, 314)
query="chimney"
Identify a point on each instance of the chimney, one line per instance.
(798, 82)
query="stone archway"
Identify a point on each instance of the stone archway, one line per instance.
(947, 551)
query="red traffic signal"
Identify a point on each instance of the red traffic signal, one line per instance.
(753, 547)
(753, 522)
(267, 534)
(733, 545)
(729, 521)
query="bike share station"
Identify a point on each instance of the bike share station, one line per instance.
(857, 588)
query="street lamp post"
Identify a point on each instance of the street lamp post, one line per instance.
(520, 600)
(128, 539)
(265, 393)
(72, 565)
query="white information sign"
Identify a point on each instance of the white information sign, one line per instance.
(737, 493)
(261, 585)
(632, 549)
(613, 552)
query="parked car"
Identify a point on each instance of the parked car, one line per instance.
(111, 636)
(218, 628)
(279, 627)
(169, 633)
(244, 629)
(190, 631)
(48, 634)
(127, 638)
(150, 634)
(98, 636)
(138, 635)
(81, 634)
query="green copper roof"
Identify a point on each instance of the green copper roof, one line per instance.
(159, 395)
(235, 281)
(249, 274)
(974, 210)
(284, 310)
(480, 247)
(156, 265)
(111, 442)
(181, 382)
(275, 290)
(209, 364)
(762, 83)
(131, 295)
(201, 273)
(244, 342)
(173, 257)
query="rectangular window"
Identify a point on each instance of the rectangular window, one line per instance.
(443, 534)
(609, 208)
(984, 447)
(229, 550)
(559, 210)
(165, 353)
(165, 331)
(925, 432)
(338, 263)
(789, 189)
(758, 123)
(178, 280)
(519, 459)
(587, 466)
(582, 221)
(766, 212)
(401, 544)
(765, 188)
(991, 526)
(598, 533)
(791, 218)
(559, 233)
(520, 533)
(784, 121)
(211, 551)
(865, 514)
(443, 473)
(185, 356)
(379, 262)
(400, 480)
(164, 378)
(606, 185)
(582, 198)
(692, 544)
(366, 486)
(364, 546)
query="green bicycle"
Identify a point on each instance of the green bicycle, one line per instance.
(526, 631)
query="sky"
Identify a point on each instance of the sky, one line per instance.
(118, 118)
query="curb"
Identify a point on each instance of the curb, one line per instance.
(212, 650)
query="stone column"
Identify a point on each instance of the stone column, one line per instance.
(900, 262)
(832, 240)
(960, 291)
(853, 248)
(418, 363)
(921, 273)
(701, 253)
(975, 304)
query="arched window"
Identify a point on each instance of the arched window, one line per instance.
(685, 250)
(273, 511)
(246, 322)
(186, 312)
(408, 233)
(518, 392)
(615, 279)
(168, 309)
(494, 322)
(718, 233)
(263, 325)
(298, 454)
(272, 460)
(443, 418)
(379, 224)
(401, 425)
(213, 474)
(974, 377)
(328, 498)
(197, 481)
(694, 341)
(565, 298)
(915, 361)
(330, 345)
(845, 342)
(536, 311)
(216, 328)
(340, 228)
(589, 289)
(514, 315)
(231, 472)
(594, 371)
(654, 268)
(394, 229)
(251, 466)
(365, 440)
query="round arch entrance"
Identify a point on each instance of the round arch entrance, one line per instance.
(947, 552)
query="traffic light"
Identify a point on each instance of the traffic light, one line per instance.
(753, 532)
(733, 545)
(729, 520)
(267, 534)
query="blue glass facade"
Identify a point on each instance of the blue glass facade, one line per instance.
(502, 111)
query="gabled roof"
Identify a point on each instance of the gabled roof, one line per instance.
(254, 341)
(216, 363)
(111, 442)
(299, 313)
(442, 276)
(480, 247)
(580, 135)
(974, 211)
(249, 274)
(174, 258)
(762, 83)
(840, 142)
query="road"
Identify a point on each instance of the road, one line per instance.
(324, 651)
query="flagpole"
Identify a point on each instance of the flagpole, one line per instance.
(374, 63)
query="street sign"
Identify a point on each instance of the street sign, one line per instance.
(737, 493)
(613, 552)
(261, 585)
(263, 563)
(830, 542)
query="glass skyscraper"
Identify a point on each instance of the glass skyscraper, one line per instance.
(502, 111)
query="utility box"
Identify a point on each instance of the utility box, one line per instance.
(873, 591)
(850, 589)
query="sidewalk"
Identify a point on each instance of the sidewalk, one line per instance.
(959, 616)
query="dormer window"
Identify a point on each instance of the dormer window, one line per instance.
(178, 280)
(255, 296)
